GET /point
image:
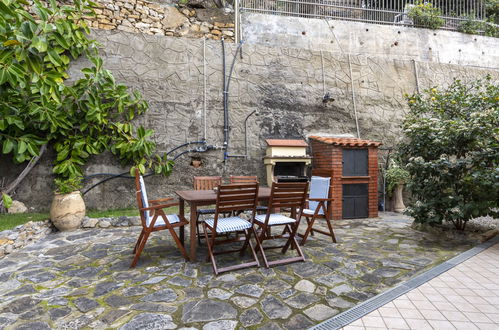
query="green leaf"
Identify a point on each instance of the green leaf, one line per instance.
(40, 44)
(11, 43)
(8, 145)
(7, 200)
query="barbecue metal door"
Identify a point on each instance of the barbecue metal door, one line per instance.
(355, 201)
(355, 162)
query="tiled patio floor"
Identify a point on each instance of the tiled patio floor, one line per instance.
(465, 297)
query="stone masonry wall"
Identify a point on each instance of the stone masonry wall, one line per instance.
(141, 16)
(285, 87)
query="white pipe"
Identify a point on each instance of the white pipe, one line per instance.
(204, 87)
(353, 97)
(416, 75)
(236, 21)
(323, 76)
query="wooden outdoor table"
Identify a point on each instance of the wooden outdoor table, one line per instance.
(197, 198)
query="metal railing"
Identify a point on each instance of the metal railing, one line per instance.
(453, 12)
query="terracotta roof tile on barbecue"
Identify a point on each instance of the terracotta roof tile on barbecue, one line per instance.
(347, 142)
(286, 143)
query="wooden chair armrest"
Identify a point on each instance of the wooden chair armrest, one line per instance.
(157, 201)
(159, 206)
(320, 199)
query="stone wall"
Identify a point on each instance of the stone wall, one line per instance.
(284, 86)
(141, 16)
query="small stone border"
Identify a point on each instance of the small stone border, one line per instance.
(376, 302)
(31, 232)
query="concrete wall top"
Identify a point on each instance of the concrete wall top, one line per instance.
(357, 38)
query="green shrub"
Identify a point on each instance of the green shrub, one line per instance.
(451, 149)
(425, 15)
(395, 175)
(66, 186)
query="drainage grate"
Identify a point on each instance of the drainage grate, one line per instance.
(376, 302)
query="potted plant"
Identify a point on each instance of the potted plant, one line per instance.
(425, 15)
(396, 176)
(68, 209)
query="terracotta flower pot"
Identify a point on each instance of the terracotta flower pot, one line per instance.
(67, 211)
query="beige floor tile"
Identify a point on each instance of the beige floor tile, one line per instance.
(446, 291)
(486, 308)
(423, 305)
(403, 303)
(444, 306)
(357, 323)
(432, 315)
(374, 313)
(441, 325)
(354, 327)
(435, 297)
(486, 293)
(456, 299)
(416, 296)
(466, 307)
(492, 300)
(410, 313)
(487, 326)
(373, 321)
(395, 323)
(464, 325)
(417, 324)
(477, 317)
(454, 316)
(478, 300)
(389, 312)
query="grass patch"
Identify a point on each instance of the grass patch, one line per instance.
(10, 221)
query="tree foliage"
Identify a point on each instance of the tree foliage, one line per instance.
(451, 149)
(40, 104)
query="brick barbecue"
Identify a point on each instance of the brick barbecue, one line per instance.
(353, 165)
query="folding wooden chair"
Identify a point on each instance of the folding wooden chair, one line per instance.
(248, 179)
(205, 183)
(243, 179)
(319, 207)
(283, 195)
(154, 219)
(232, 197)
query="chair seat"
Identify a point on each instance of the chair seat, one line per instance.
(206, 211)
(312, 212)
(172, 218)
(275, 219)
(229, 224)
(261, 208)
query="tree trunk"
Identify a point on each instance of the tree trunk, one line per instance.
(13, 185)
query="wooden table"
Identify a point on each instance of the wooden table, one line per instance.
(197, 198)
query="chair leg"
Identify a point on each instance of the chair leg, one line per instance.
(310, 224)
(260, 247)
(179, 243)
(330, 225)
(138, 241)
(253, 252)
(197, 228)
(210, 250)
(181, 232)
(140, 248)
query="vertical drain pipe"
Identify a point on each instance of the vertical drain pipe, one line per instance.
(204, 87)
(416, 74)
(224, 98)
(323, 76)
(353, 97)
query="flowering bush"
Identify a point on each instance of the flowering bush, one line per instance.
(451, 149)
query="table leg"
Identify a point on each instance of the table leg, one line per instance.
(194, 241)
(181, 212)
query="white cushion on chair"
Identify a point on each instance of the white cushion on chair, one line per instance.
(145, 201)
(275, 219)
(225, 225)
(172, 218)
(319, 188)
(311, 212)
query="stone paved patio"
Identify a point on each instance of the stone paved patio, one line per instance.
(82, 280)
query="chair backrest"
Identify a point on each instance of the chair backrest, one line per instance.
(319, 188)
(236, 197)
(206, 182)
(142, 200)
(288, 194)
(243, 179)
